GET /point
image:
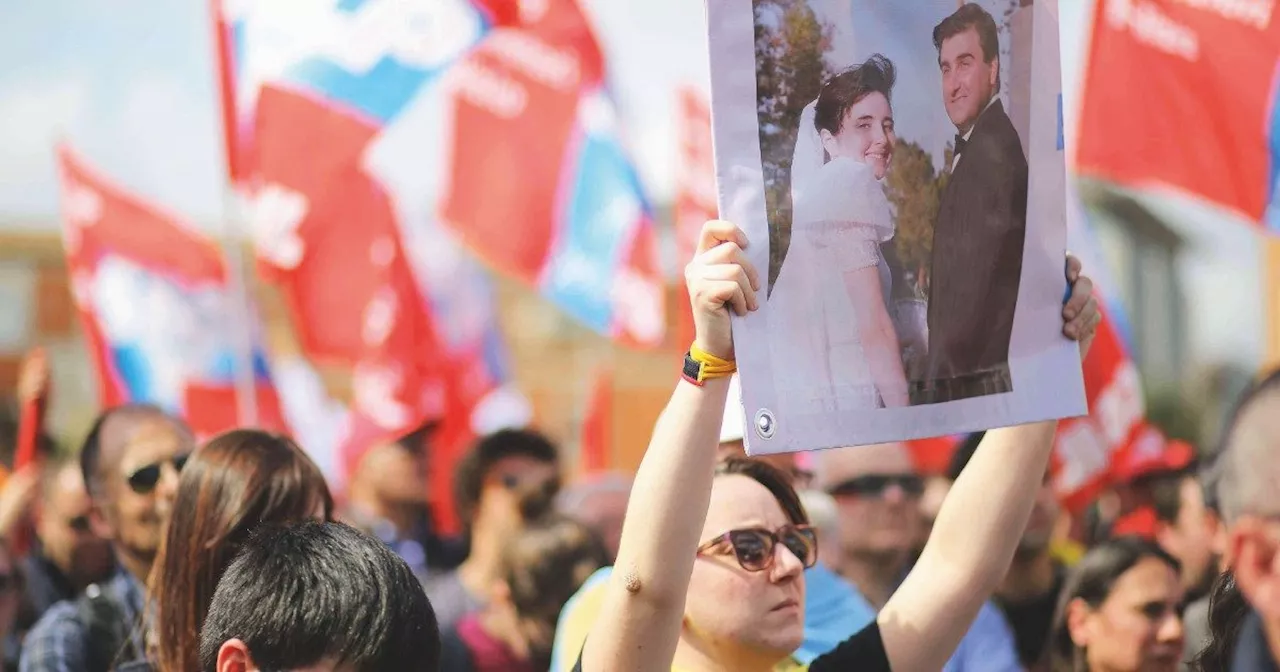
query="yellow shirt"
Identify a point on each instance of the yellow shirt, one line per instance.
(581, 613)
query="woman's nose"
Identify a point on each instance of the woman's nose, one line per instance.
(785, 563)
(1170, 629)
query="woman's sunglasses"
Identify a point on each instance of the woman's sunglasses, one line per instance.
(875, 485)
(754, 547)
(144, 479)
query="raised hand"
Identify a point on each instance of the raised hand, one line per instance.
(1080, 314)
(720, 278)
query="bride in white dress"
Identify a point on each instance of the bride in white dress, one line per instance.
(832, 341)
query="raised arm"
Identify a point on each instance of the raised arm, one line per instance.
(978, 528)
(639, 625)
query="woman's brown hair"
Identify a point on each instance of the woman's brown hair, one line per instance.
(232, 484)
(777, 482)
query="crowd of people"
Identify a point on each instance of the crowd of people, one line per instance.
(142, 550)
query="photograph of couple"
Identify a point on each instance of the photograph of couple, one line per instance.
(897, 204)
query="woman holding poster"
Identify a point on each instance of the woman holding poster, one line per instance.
(710, 569)
(840, 217)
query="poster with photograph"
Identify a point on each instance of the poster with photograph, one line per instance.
(899, 169)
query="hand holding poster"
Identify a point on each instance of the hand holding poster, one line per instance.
(903, 183)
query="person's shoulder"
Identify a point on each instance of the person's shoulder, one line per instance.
(846, 169)
(996, 129)
(58, 634)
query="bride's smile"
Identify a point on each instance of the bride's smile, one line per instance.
(866, 134)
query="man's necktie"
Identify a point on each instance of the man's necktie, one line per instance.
(960, 143)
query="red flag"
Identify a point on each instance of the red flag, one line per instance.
(1181, 94)
(155, 305)
(597, 427)
(1088, 448)
(695, 201)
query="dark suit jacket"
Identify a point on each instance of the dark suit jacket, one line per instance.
(977, 264)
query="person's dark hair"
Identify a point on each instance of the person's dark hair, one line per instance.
(1092, 580)
(232, 484)
(773, 479)
(91, 449)
(543, 566)
(844, 89)
(307, 592)
(970, 15)
(472, 469)
(1164, 490)
(1227, 612)
(963, 453)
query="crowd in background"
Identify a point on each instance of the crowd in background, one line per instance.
(140, 550)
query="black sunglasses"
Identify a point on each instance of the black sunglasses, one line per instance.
(754, 547)
(144, 479)
(874, 485)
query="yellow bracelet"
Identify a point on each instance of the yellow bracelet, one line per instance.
(700, 366)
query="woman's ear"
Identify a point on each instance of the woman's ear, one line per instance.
(828, 142)
(1079, 615)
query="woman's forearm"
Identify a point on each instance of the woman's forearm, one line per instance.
(970, 549)
(984, 514)
(644, 602)
(878, 336)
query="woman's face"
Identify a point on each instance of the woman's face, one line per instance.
(1138, 628)
(866, 134)
(730, 608)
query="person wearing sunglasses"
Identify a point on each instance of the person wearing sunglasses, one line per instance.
(878, 494)
(685, 597)
(130, 462)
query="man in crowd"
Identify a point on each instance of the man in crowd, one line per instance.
(1246, 487)
(599, 502)
(320, 597)
(509, 476)
(1028, 595)
(68, 554)
(388, 496)
(877, 492)
(130, 463)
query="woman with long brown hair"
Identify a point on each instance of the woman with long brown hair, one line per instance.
(230, 485)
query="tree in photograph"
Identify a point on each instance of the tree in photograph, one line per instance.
(914, 188)
(790, 43)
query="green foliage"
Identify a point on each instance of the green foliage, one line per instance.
(915, 190)
(790, 69)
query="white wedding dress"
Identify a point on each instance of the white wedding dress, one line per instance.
(841, 215)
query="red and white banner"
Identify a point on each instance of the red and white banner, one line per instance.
(155, 305)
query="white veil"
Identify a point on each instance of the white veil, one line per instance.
(808, 158)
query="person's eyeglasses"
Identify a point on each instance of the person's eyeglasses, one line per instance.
(79, 524)
(874, 485)
(144, 480)
(754, 547)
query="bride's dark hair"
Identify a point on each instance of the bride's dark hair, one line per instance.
(846, 88)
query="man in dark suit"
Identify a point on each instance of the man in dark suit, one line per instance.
(981, 226)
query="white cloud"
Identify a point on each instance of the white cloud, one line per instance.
(33, 114)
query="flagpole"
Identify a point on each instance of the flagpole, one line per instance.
(232, 220)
